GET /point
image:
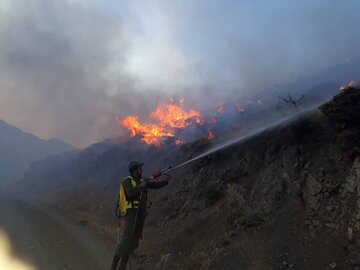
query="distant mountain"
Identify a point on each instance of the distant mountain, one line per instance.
(19, 149)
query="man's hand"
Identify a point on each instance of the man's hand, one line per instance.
(143, 184)
(156, 175)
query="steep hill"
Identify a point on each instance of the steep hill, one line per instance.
(285, 198)
(19, 149)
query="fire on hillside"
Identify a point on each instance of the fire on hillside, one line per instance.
(171, 118)
(351, 84)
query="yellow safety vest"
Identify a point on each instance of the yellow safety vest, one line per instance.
(123, 204)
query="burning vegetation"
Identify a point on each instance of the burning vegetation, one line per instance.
(351, 84)
(172, 119)
(173, 123)
(211, 135)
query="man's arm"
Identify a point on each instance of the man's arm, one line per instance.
(132, 193)
(157, 184)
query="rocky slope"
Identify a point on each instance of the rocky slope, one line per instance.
(287, 198)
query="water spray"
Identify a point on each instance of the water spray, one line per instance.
(241, 138)
(167, 170)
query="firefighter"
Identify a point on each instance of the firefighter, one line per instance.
(132, 207)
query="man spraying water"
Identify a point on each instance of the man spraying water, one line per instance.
(132, 207)
(134, 188)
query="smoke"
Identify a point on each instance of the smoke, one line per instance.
(69, 67)
(56, 78)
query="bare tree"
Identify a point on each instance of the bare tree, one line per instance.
(291, 100)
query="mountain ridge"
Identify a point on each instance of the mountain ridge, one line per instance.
(18, 149)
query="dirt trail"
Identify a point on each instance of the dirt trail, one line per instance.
(50, 241)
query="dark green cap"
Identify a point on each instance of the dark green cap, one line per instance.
(134, 165)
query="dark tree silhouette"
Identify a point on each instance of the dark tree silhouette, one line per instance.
(291, 100)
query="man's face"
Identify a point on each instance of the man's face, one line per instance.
(139, 171)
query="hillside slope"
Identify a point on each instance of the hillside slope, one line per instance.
(19, 149)
(286, 198)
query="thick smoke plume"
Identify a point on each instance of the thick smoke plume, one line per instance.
(69, 67)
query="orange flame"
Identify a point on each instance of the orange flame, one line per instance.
(343, 88)
(239, 108)
(220, 107)
(211, 135)
(178, 141)
(151, 134)
(171, 118)
(259, 101)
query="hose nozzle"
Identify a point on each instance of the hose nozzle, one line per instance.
(167, 170)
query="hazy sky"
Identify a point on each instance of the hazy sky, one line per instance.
(67, 68)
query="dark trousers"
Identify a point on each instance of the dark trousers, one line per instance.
(129, 239)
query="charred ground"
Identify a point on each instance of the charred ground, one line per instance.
(287, 198)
